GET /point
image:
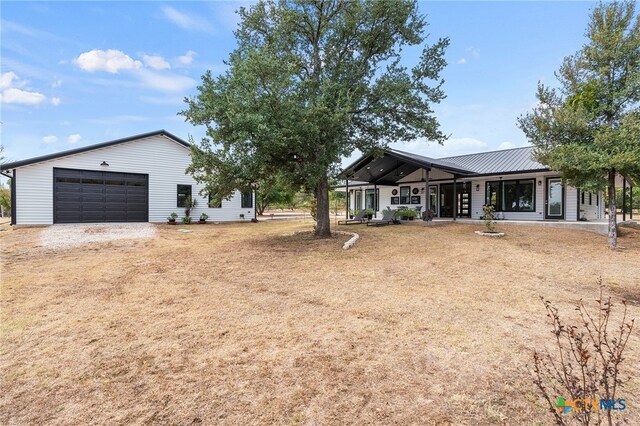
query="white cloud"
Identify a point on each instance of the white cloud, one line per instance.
(461, 61)
(186, 22)
(474, 51)
(187, 58)
(24, 97)
(7, 78)
(156, 62)
(75, 138)
(50, 139)
(111, 61)
(166, 82)
(55, 101)
(506, 145)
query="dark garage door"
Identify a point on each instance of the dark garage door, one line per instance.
(89, 196)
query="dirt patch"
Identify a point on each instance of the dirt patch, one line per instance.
(236, 324)
(66, 236)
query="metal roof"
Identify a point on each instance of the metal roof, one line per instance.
(16, 164)
(497, 162)
(395, 165)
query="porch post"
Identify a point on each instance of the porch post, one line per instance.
(375, 198)
(631, 201)
(455, 198)
(624, 199)
(427, 195)
(346, 201)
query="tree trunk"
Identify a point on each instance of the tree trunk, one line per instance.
(613, 213)
(323, 222)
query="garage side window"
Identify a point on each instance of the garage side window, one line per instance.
(213, 204)
(184, 192)
(247, 200)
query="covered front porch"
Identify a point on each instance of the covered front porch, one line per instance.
(397, 181)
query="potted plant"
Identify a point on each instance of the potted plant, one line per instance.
(172, 218)
(186, 220)
(242, 216)
(368, 213)
(203, 218)
(406, 214)
(352, 213)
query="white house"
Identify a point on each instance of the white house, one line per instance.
(517, 186)
(136, 179)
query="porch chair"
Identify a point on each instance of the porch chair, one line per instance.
(357, 219)
(387, 219)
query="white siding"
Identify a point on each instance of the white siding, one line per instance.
(593, 210)
(163, 159)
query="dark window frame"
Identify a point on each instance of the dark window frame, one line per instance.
(582, 197)
(500, 196)
(405, 199)
(376, 200)
(181, 202)
(246, 200)
(590, 198)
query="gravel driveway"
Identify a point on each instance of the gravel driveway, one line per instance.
(72, 235)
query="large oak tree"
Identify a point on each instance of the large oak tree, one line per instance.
(310, 82)
(589, 128)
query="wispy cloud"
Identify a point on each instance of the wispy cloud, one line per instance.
(74, 138)
(187, 22)
(473, 51)
(165, 82)
(461, 61)
(187, 58)
(50, 139)
(156, 62)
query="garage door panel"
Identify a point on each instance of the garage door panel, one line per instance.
(92, 196)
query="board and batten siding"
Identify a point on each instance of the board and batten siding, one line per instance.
(160, 157)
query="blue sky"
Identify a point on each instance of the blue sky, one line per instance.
(76, 73)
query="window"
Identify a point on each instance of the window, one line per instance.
(371, 199)
(433, 198)
(582, 194)
(214, 205)
(184, 192)
(597, 199)
(492, 194)
(512, 195)
(590, 199)
(247, 200)
(358, 202)
(67, 180)
(405, 197)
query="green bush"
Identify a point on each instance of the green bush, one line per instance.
(408, 213)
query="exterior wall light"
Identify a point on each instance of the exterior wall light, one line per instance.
(104, 163)
(478, 187)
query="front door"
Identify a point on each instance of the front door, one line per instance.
(462, 204)
(554, 200)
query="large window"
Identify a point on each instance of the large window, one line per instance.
(405, 195)
(372, 199)
(433, 198)
(512, 195)
(184, 192)
(358, 202)
(247, 200)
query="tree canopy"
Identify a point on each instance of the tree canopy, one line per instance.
(310, 82)
(589, 128)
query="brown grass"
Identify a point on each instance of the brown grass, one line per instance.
(241, 324)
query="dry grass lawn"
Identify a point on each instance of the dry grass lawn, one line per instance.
(241, 324)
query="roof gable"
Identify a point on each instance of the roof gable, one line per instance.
(21, 163)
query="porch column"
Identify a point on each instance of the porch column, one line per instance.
(631, 201)
(455, 198)
(427, 195)
(375, 199)
(624, 199)
(346, 202)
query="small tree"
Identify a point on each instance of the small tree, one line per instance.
(489, 217)
(590, 129)
(587, 362)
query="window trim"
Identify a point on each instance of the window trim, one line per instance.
(189, 195)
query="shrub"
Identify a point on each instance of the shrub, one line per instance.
(587, 362)
(172, 217)
(409, 213)
(204, 216)
(186, 220)
(489, 217)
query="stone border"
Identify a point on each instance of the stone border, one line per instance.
(490, 234)
(351, 242)
(346, 246)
